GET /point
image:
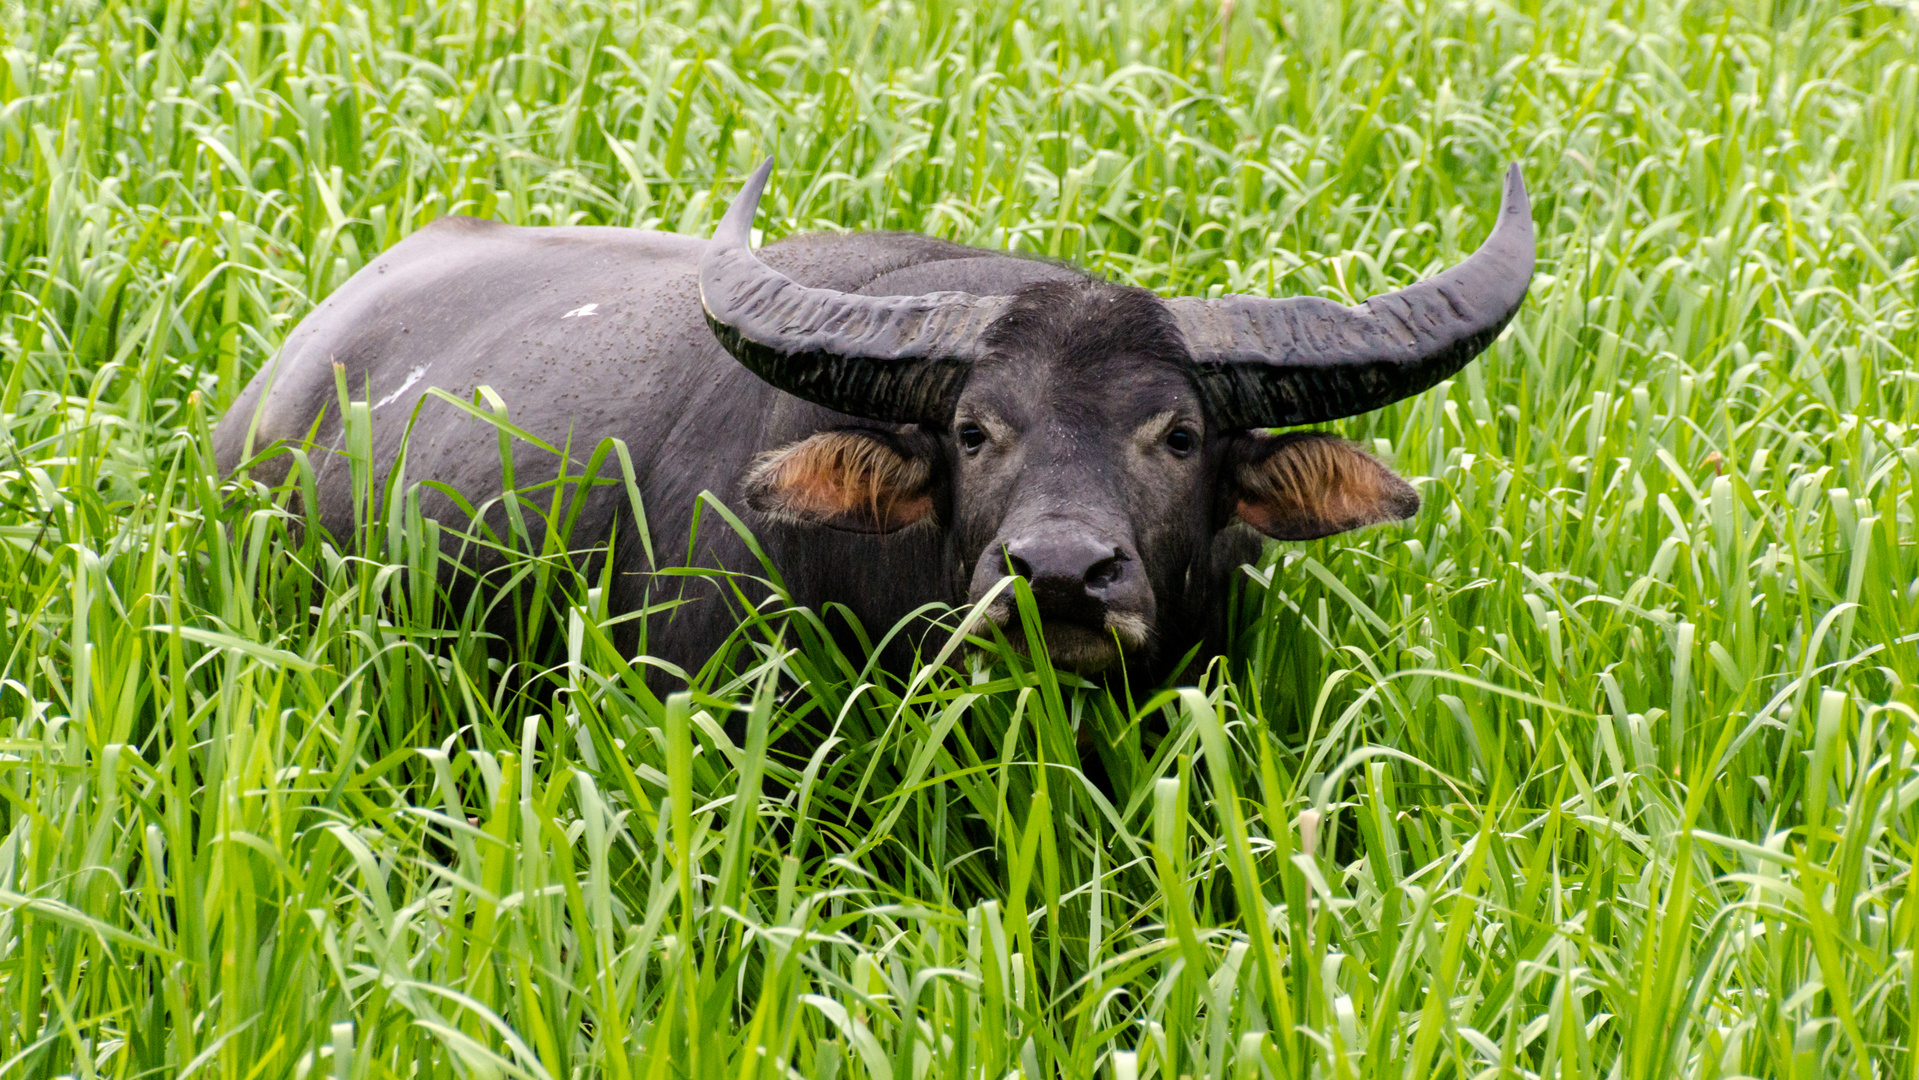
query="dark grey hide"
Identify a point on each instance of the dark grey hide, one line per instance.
(1008, 415)
(589, 333)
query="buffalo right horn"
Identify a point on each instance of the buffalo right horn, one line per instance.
(1305, 359)
(900, 359)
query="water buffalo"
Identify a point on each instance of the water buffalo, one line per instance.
(898, 419)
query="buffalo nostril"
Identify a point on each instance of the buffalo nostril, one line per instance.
(1018, 566)
(1106, 571)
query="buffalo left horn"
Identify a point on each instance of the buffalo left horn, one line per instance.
(900, 359)
(1305, 359)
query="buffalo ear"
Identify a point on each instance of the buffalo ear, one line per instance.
(856, 481)
(1305, 486)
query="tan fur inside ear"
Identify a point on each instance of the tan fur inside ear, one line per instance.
(1316, 485)
(841, 479)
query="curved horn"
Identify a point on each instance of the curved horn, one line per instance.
(900, 359)
(1305, 359)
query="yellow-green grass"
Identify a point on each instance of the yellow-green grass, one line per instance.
(1602, 766)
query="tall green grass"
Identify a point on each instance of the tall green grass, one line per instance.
(1603, 766)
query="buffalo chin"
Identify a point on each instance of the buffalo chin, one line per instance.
(1078, 648)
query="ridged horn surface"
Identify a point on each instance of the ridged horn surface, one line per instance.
(1303, 360)
(900, 359)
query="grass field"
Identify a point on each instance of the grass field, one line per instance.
(1605, 765)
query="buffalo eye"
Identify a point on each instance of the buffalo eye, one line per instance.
(971, 437)
(1181, 442)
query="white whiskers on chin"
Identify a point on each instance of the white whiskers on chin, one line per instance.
(1130, 628)
(1081, 649)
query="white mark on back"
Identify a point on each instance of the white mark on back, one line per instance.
(412, 377)
(589, 309)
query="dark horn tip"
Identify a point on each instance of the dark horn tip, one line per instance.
(1515, 203)
(737, 226)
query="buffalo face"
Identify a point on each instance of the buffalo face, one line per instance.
(1080, 463)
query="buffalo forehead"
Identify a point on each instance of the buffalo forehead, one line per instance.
(1122, 391)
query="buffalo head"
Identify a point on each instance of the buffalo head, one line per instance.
(1094, 438)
